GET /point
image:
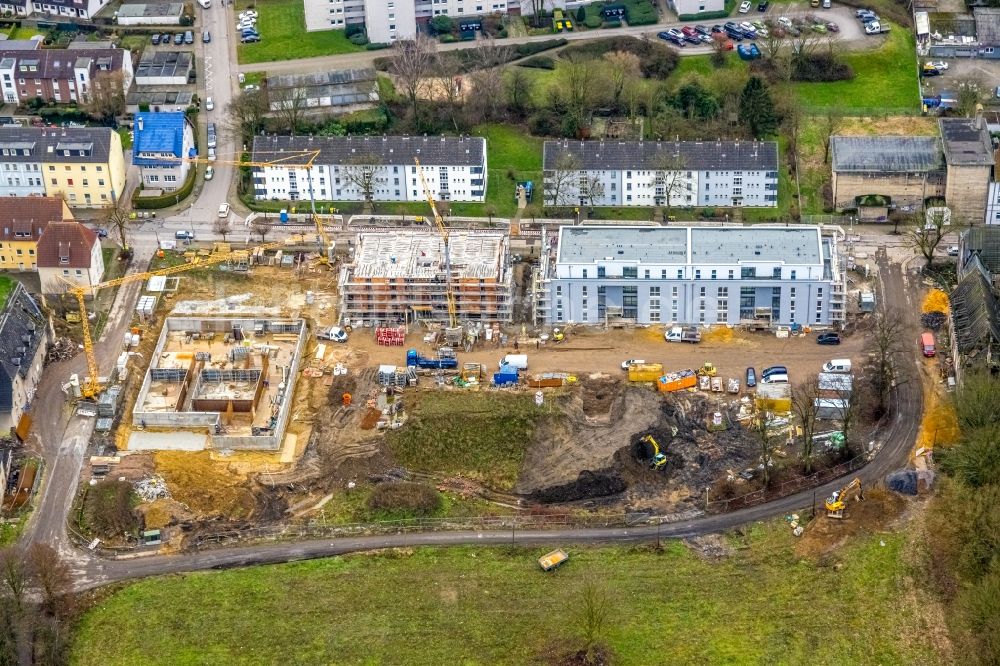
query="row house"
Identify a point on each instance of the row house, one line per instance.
(62, 76)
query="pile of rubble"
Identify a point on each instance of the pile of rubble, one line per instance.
(933, 320)
(151, 488)
(61, 349)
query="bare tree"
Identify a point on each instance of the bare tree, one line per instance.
(969, 94)
(448, 71)
(578, 87)
(720, 51)
(669, 178)
(289, 105)
(927, 234)
(106, 99)
(14, 575)
(829, 124)
(245, 115)
(846, 406)
(412, 62)
(531, 210)
(50, 574)
(804, 397)
(117, 222)
(520, 89)
(767, 443)
(887, 330)
(595, 610)
(262, 227)
(222, 226)
(558, 181)
(487, 96)
(365, 171)
(622, 67)
(591, 189)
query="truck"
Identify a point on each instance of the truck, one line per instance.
(677, 381)
(507, 375)
(519, 361)
(645, 372)
(415, 360)
(683, 334)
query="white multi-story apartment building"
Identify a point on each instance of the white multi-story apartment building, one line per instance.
(382, 168)
(83, 9)
(691, 275)
(657, 173)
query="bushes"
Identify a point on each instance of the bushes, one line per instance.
(817, 67)
(592, 22)
(168, 199)
(641, 12)
(539, 62)
(404, 499)
(358, 39)
(531, 48)
(655, 60)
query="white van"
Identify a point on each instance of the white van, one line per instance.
(519, 361)
(205, 4)
(777, 378)
(842, 365)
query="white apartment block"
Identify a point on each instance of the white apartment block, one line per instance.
(345, 168)
(657, 173)
(993, 204)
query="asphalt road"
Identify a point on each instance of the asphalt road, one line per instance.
(894, 447)
(851, 32)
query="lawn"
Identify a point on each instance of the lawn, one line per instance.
(24, 32)
(465, 605)
(885, 80)
(282, 27)
(479, 435)
(6, 286)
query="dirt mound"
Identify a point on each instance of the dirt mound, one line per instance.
(587, 485)
(824, 535)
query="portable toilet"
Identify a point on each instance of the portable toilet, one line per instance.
(283, 215)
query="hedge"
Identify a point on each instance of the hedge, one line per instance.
(169, 199)
(704, 16)
(538, 62)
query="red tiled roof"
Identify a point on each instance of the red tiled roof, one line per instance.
(65, 245)
(24, 218)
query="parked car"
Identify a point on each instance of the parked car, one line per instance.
(828, 338)
(693, 39)
(702, 30)
(773, 370)
(178, 38)
(224, 210)
(209, 172)
(762, 6)
(952, 250)
(206, 37)
(211, 154)
(155, 38)
(748, 29)
(937, 64)
(673, 39)
(745, 6)
(101, 232)
(832, 27)
(928, 71)
(688, 31)
(248, 13)
(184, 235)
(717, 29)
(334, 333)
(209, 104)
(249, 39)
(188, 37)
(785, 21)
(751, 378)
(630, 362)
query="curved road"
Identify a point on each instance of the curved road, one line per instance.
(893, 452)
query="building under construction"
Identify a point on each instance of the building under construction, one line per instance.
(401, 276)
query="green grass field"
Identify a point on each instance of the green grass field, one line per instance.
(480, 435)
(472, 606)
(885, 79)
(282, 27)
(6, 286)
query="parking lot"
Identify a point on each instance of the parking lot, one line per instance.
(985, 73)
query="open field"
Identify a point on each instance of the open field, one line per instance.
(282, 26)
(759, 603)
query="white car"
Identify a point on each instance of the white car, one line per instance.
(632, 361)
(209, 104)
(939, 65)
(209, 173)
(952, 250)
(748, 28)
(334, 333)
(784, 22)
(745, 6)
(223, 210)
(211, 154)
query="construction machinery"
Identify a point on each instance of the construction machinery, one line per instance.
(443, 230)
(282, 159)
(837, 502)
(707, 370)
(658, 459)
(92, 386)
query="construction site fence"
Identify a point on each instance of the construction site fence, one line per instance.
(788, 487)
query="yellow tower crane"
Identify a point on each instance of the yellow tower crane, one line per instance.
(443, 230)
(282, 159)
(92, 386)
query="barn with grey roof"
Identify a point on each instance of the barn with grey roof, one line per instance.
(375, 168)
(659, 173)
(900, 170)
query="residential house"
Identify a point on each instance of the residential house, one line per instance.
(691, 275)
(351, 168)
(72, 9)
(23, 342)
(153, 13)
(68, 251)
(85, 165)
(164, 68)
(163, 141)
(901, 170)
(22, 222)
(974, 321)
(968, 151)
(657, 173)
(62, 76)
(337, 91)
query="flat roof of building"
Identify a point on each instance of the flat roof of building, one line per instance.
(164, 63)
(151, 9)
(967, 142)
(420, 255)
(696, 245)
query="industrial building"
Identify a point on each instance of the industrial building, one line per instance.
(761, 275)
(401, 277)
(658, 173)
(221, 383)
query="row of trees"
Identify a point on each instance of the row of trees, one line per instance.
(36, 606)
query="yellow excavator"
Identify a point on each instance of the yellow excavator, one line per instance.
(707, 370)
(836, 503)
(658, 460)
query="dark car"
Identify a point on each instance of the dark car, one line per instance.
(735, 34)
(832, 27)
(156, 38)
(702, 30)
(751, 378)
(773, 370)
(762, 7)
(249, 39)
(693, 39)
(930, 71)
(829, 338)
(178, 39)
(101, 232)
(717, 29)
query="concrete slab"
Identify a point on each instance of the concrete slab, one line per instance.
(167, 441)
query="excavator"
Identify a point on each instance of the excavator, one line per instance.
(836, 503)
(658, 460)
